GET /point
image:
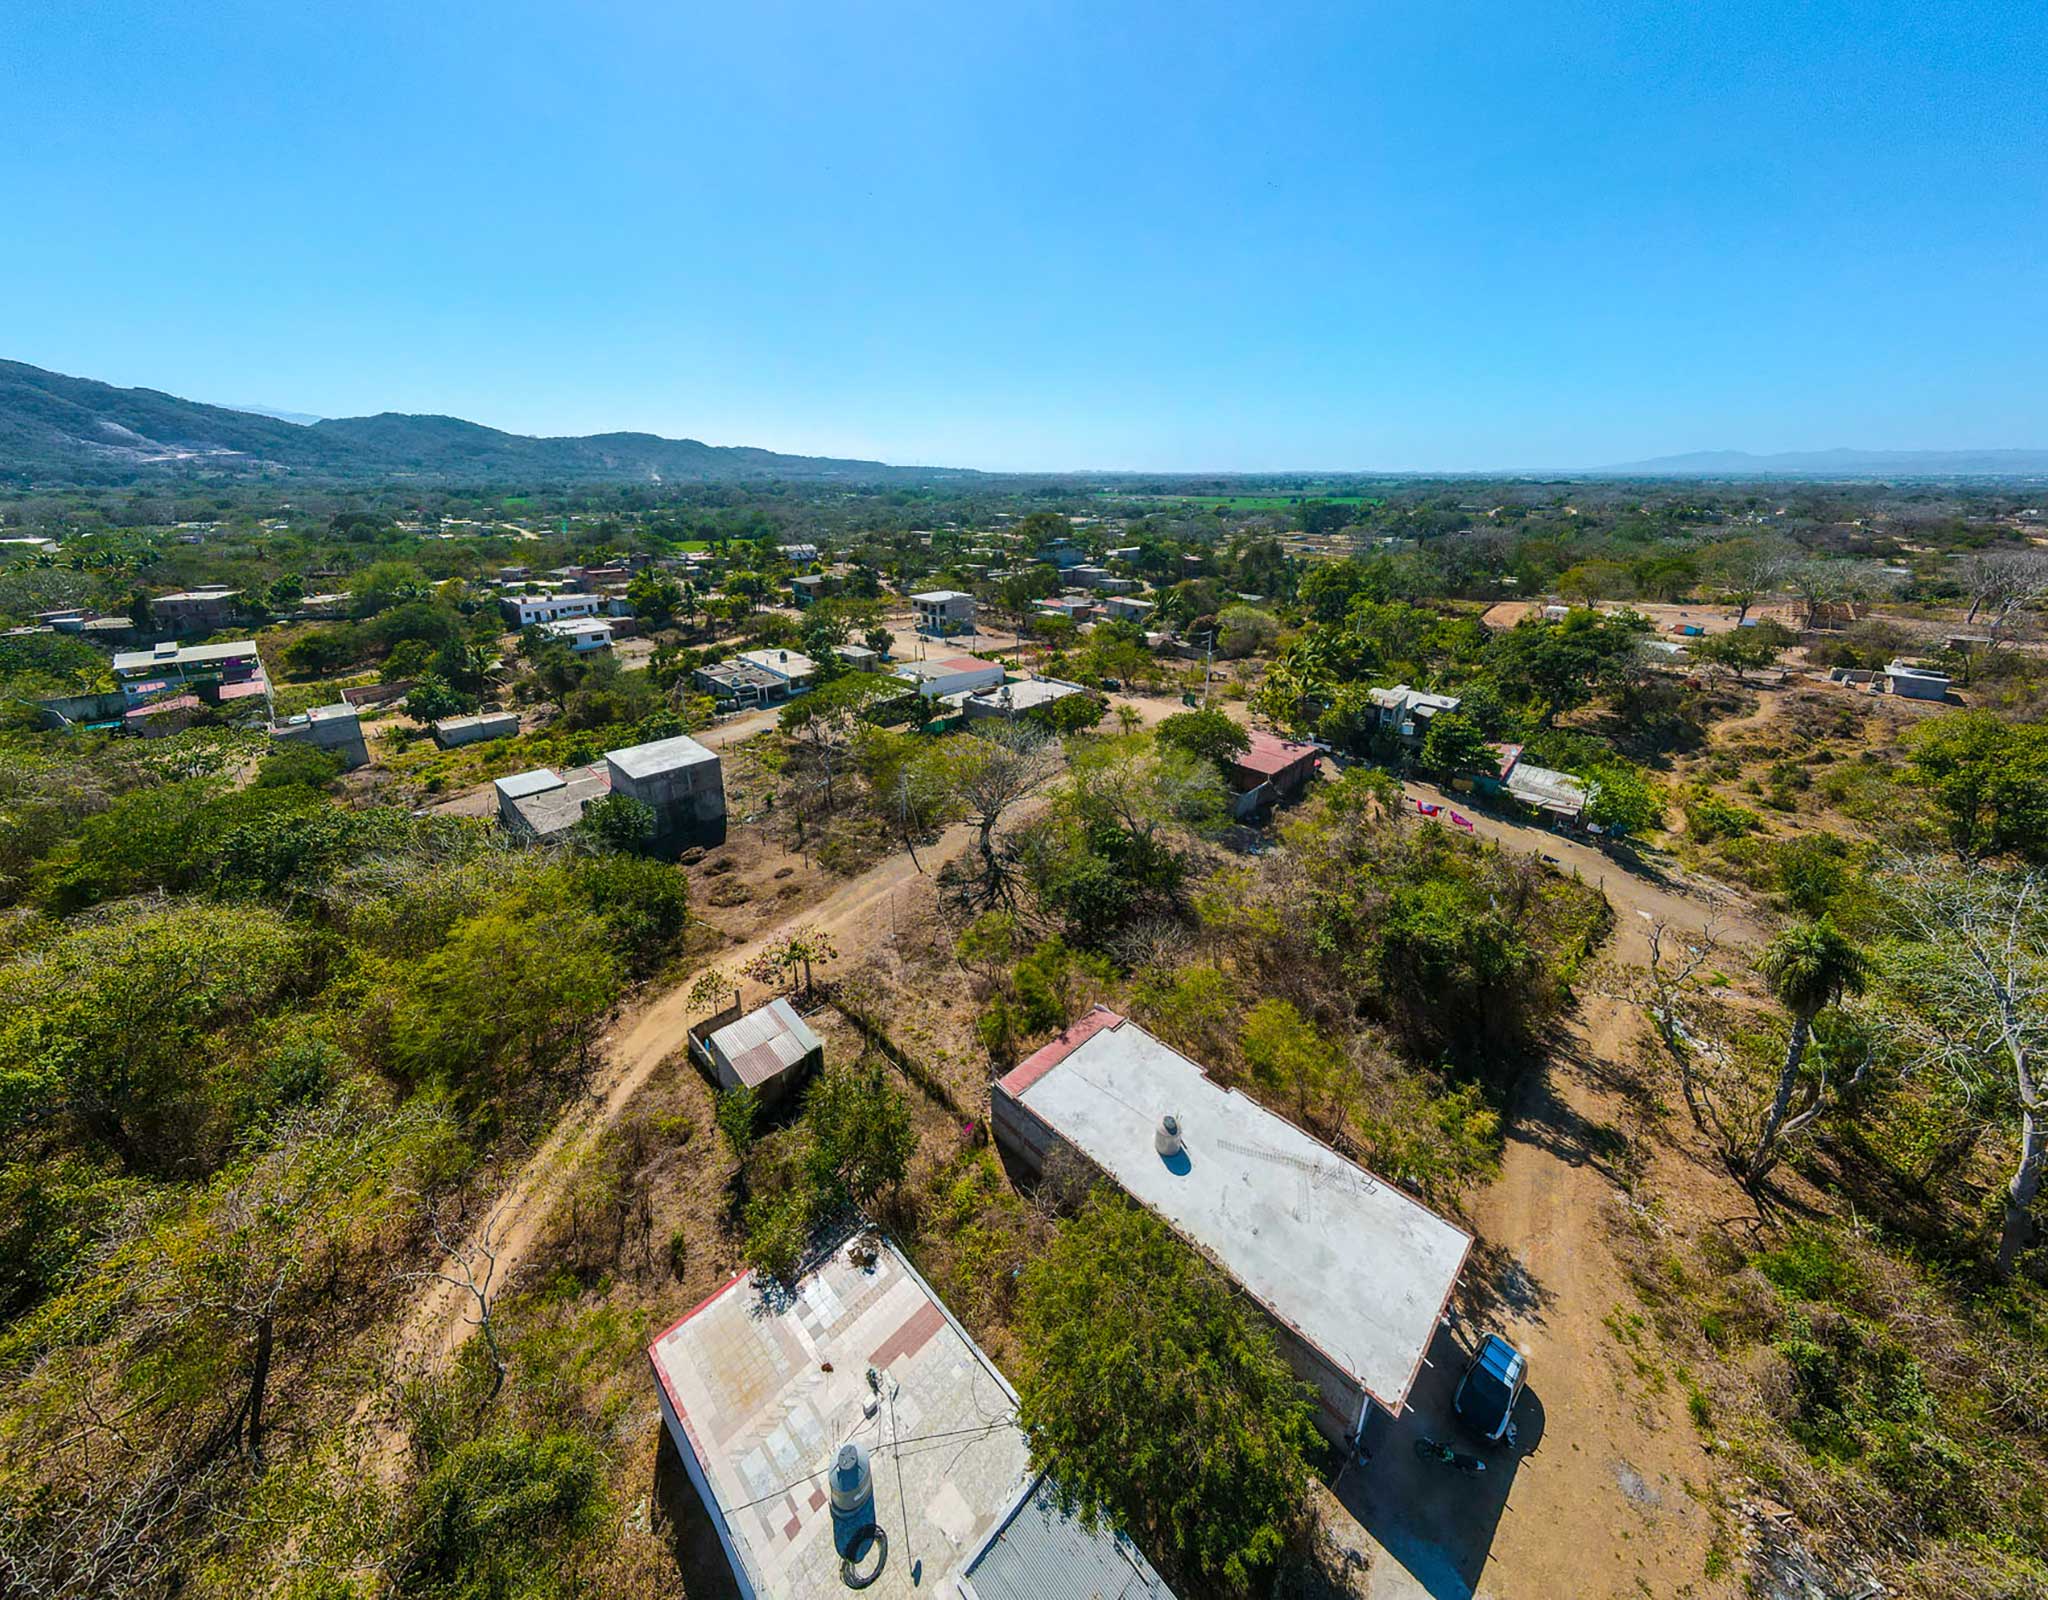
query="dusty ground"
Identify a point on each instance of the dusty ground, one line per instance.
(1604, 1493)
(1713, 618)
(1605, 1496)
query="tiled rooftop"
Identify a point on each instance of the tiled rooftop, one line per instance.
(767, 1383)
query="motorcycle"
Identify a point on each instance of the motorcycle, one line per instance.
(1433, 1450)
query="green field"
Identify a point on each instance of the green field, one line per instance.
(1260, 502)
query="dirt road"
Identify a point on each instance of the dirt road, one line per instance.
(438, 1321)
(1639, 901)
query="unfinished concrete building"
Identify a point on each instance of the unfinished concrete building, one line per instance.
(677, 779)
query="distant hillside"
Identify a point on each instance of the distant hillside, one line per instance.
(273, 411)
(1839, 464)
(54, 427)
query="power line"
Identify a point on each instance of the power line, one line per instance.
(915, 1438)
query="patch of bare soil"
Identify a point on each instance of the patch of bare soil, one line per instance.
(1615, 1498)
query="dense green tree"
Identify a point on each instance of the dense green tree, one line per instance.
(1988, 779)
(1455, 745)
(1154, 1396)
(655, 596)
(1209, 735)
(1622, 798)
(1562, 664)
(433, 698)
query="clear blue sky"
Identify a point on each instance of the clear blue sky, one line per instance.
(1176, 235)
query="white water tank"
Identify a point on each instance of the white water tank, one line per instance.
(1167, 1140)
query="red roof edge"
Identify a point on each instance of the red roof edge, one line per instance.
(699, 1306)
(1064, 1043)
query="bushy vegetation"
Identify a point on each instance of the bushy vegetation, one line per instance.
(254, 1039)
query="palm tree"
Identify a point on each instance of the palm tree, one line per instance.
(1809, 967)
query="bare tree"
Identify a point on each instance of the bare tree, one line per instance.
(1831, 590)
(1973, 973)
(1747, 570)
(469, 1264)
(991, 772)
(2004, 583)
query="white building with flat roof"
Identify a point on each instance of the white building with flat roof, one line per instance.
(1354, 1274)
(763, 1386)
(582, 634)
(525, 610)
(951, 675)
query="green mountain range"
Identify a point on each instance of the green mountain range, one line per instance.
(59, 429)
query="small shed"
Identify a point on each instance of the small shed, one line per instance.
(767, 1050)
(1271, 770)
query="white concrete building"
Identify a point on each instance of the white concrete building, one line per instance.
(1406, 712)
(951, 675)
(524, 610)
(582, 635)
(941, 613)
(1916, 682)
(1354, 1274)
(848, 1418)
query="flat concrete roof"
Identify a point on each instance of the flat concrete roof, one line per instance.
(1356, 1267)
(939, 597)
(551, 811)
(947, 667)
(659, 755)
(782, 663)
(766, 1383)
(521, 784)
(185, 655)
(1026, 693)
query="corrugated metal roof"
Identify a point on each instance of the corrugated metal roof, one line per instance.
(1044, 1553)
(1269, 756)
(764, 1042)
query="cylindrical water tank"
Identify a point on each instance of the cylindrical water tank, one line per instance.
(850, 1481)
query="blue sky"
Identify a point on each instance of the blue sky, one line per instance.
(1161, 236)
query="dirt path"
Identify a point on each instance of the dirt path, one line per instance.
(439, 1319)
(1622, 1456)
(1639, 901)
(1603, 1496)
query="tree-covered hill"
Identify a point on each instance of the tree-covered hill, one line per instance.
(59, 428)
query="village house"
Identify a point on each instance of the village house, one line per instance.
(337, 729)
(582, 635)
(941, 613)
(1273, 770)
(1353, 1274)
(951, 675)
(1009, 701)
(527, 610)
(770, 1050)
(1405, 713)
(207, 609)
(678, 780)
(450, 732)
(801, 1415)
